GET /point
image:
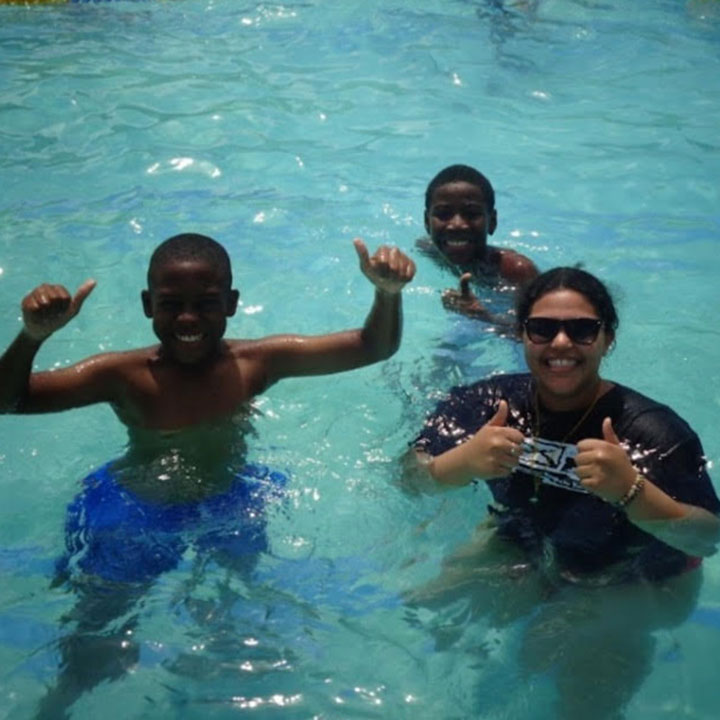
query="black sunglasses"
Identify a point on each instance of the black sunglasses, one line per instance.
(542, 330)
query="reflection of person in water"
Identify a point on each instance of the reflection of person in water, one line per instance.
(601, 510)
(184, 483)
(507, 20)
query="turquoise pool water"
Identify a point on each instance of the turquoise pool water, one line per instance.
(284, 130)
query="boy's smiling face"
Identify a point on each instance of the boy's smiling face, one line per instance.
(458, 221)
(189, 302)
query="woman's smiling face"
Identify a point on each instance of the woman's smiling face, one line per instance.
(566, 372)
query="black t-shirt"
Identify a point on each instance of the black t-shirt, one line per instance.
(541, 504)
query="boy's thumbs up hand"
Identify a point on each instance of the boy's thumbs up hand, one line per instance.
(49, 307)
(389, 269)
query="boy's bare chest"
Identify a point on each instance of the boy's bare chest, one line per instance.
(172, 398)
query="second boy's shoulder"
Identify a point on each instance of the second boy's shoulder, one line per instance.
(513, 266)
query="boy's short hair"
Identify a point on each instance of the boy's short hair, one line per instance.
(461, 173)
(191, 246)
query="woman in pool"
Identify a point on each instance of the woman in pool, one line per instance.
(593, 484)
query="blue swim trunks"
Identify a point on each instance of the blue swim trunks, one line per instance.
(113, 534)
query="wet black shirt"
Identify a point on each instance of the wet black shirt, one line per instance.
(542, 506)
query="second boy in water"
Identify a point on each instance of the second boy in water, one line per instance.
(459, 216)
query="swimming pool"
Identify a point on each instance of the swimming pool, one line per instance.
(284, 130)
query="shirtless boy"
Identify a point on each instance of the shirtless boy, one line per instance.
(459, 215)
(193, 377)
(184, 481)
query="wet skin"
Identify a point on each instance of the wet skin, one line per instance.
(193, 376)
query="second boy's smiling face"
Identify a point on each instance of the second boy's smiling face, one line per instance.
(189, 302)
(458, 221)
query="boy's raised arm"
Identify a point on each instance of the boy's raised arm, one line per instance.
(45, 310)
(389, 270)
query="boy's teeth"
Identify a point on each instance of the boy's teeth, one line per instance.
(189, 338)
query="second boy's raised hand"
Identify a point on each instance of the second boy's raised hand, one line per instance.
(49, 307)
(464, 300)
(389, 269)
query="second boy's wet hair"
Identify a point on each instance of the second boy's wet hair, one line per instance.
(191, 246)
(568, 278)
(461, 173)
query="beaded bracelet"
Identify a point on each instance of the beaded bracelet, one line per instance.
(632, 492)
